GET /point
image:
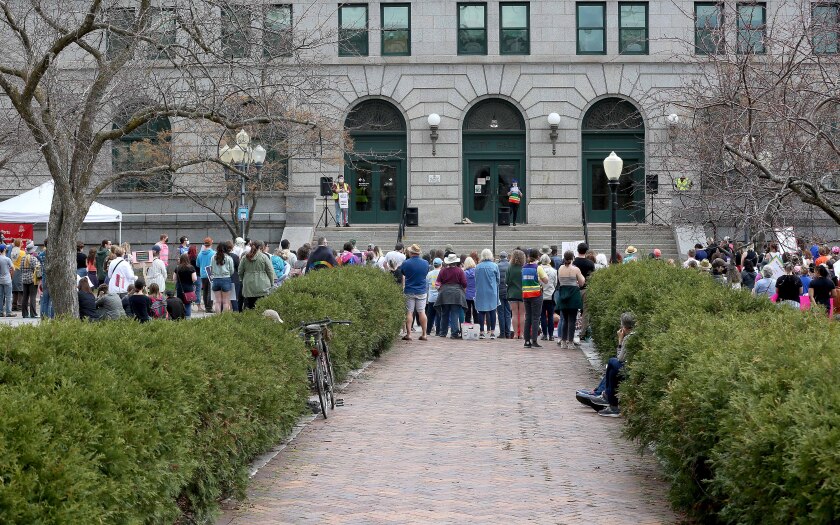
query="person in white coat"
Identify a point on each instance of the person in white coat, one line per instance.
(120, 274)
(156, 273)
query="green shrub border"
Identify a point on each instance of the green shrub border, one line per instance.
(120, 422)
(738, 396)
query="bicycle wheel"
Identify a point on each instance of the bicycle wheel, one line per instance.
(319, 386)
(330, 374)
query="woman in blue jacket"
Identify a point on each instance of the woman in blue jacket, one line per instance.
(487, 293)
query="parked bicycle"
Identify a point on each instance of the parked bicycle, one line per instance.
(316, 335)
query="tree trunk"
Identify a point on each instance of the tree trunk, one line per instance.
(66, 219)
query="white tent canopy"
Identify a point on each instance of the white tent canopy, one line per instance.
(34, 207)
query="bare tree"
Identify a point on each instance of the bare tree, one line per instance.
(760, 126)
(101, 93)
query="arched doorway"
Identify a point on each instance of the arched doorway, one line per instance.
(494, 156)
(614, 124)
(376, 168)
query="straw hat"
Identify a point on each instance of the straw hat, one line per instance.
(630, 250)
(451, 259)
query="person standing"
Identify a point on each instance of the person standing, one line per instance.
(185, 280)
(586, 268)
(257, 275)
(415, 288)
(164, 252)
(432, 315)
(156, 273)
(120, 274)
(203, 261)
(470, 315)
(29, 271)
(236, 298)
(16, 255)
(222, 271)
(487, 281)
(184, 247)
(569, 300)
(533, 277)
(504, 305)
(101, 258)
(547, 312)
(452, 285)
(789, 287)
(6, 271)
(81, 259)
(341, 198)
(515, 196)
(821, 290)
(513, 280)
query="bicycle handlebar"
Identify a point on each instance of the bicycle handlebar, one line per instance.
(324, 322)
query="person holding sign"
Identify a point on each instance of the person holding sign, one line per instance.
(515, 196)
(341, 197)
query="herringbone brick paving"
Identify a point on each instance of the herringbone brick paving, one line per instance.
(461, 432)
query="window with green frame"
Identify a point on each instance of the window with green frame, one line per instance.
(353, 30)
(277, 38)
(825, 27)
(752, 19)
(236, 29)
(146, 146)
(514, 28)
(396, 29)
(708, 28)
(472, 28)
(633, 28)
(164, 31)
(120, 18)
(591, 28)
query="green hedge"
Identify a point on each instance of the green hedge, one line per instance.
(366, 296)
(738, 396)
(119, 422)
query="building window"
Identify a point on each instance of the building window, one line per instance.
(396, 29)
(148, 145)
(708, 27)
(514, 28)
(164, 31)
(591, 28)
(120, 18)
(236, 26)
(277, 31)
(825, 25)
(353, 30)
(633, 28)
(472, 29)
(751, 28)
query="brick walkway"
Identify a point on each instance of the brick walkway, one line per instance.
(461, 432)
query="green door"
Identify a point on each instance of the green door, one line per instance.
(486, 180)
(631, 187)
(377, 189)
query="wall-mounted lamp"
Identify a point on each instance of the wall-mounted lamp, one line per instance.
(434, 122)
(553, 123)
(673, 119)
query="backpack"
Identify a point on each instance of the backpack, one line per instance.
(159, 308)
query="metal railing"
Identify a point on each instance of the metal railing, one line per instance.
(585, 224)
(403, 217)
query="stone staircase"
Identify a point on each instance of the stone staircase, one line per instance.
(468, 237)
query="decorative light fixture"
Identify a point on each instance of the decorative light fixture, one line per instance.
(612, 167)
(434, 122)
(493, 122)
(553, 123)
(673, 119)
(241, 156)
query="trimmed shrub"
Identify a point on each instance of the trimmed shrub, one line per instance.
(118, 422)
(366, 296)
(735, 394)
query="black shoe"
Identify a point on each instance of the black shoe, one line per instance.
(536, 345)
(347, 225)
(591, 400)
(610, 412)
(544, 338)
(527, 344)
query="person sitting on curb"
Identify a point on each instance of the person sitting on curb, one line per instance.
(603, 398)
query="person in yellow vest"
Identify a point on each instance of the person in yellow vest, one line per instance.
(683, 183)
(341, 198)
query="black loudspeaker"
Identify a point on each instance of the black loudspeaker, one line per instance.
(504, 216)
(412, 217)
(326, 186)
(652, 183)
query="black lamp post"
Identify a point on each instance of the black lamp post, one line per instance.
(612, 167)
(242, 156)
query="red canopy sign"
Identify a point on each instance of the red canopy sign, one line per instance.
(12, 230)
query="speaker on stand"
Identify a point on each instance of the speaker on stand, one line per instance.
(326, 193)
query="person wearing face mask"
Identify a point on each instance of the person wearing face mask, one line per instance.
(184, 247)
(515, 196)
(341, 197)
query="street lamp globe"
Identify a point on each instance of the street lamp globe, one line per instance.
(613, 166)
(225, 154)
(258, 155)
(237, 154)
(553, 119)
(243, 139)
(434, 120)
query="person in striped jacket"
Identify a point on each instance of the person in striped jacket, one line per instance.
(533, 277)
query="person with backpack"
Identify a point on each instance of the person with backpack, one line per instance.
(30, 271)
(158, 302)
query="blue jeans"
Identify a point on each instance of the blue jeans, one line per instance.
(504, 317)
(452, 312)
(81, 272)
(341, 216)
(611, 380)
(488, 319)
(198, 291)
(432, 319)
(6, 298)
(46, 304)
